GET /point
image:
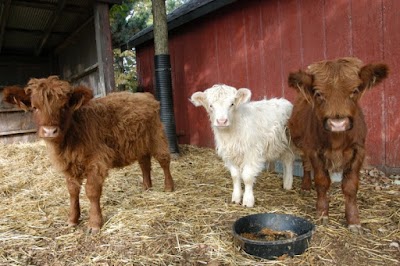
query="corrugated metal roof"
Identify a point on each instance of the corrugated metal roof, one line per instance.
(24, 25)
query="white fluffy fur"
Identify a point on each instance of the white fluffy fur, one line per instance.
(247, 135)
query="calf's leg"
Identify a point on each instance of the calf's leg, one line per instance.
(306, 181)
(164, 160)
(162, 155)
(237, 185)
(94, 186)
(350, 182)
(145, 166)
(287, 160)
(350, 188)
(322, 184)
(74, 188)
(249, 175)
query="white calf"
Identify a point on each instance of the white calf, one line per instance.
(247, 135)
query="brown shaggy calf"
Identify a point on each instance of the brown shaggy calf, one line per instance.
(86, 138)
(327, 125)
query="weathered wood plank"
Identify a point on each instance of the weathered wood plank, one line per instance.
(391, 41)
(272, 49)
(105, 55)
(15, 121)
(367, 44)
(27, 137)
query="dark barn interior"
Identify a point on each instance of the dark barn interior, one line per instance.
(38, 38)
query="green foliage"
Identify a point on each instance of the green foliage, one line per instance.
(125, 70)
(133, 16)
(126, 20)
(171, 5)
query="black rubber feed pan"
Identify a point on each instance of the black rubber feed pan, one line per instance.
(286, 234)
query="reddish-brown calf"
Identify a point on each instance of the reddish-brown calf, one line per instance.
(87, 137)
(327, 125)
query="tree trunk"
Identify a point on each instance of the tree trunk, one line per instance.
(160, 27)
(162, 67)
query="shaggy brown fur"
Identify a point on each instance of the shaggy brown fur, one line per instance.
(328, 126)
(15, 93)
(87, 137)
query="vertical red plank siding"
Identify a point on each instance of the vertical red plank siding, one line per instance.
(235, 36)
(145, 67)
(338, 28)
(256, 43)
(231, 47)
(367, 44)
(222, 32)
(313, 42)
(290, 42)
(391, 41)
(178, 81)
(195, 53)
(271, 52)
(254, 46)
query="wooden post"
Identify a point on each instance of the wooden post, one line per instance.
(104, 47)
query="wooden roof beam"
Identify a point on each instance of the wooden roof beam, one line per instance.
(48, 6)
(71, 38)
(33, 32)
(111, 2)
(50, 25)
(3, 21)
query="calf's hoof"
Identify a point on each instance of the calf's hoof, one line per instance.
(248, 205)
(248, 202)
(169, 188)
(72, 224)
(287, 187)
(236, 198)
(355, 228)
(306, 187)
(146, 187)
(305, 192)
(323, 220)
(93, 230)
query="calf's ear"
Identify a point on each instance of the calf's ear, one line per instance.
(17, 96)
(373, 74)
(243, 95)
(199, 99)
(80, 96)
(302, 82)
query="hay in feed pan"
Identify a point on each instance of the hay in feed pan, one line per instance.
(190, 226)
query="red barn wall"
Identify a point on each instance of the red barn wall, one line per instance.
(256, 43)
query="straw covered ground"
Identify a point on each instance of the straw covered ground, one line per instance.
(191, 226)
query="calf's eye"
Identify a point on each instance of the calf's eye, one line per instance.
(354, 93)
(317, 94)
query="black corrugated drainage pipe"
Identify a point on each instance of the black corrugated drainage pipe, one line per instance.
(163, 92)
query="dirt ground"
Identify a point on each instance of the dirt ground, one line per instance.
(190, 226)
